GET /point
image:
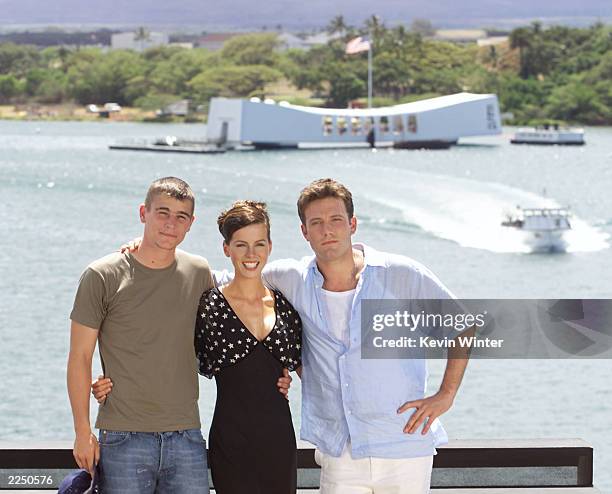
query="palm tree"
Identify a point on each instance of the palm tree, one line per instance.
(396, 39)
(536, 27)
(375, 27)
(521, 38)
(337, 25)
(63, 54)
(142, 35)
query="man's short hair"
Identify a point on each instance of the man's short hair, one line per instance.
(173, 187)
(241, 214)
(322, 189)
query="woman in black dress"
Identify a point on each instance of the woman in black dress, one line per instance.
(246, 334)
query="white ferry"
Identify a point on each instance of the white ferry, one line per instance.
(432, 123)
(549, 134)
(544, 228)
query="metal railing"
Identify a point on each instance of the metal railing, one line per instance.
(463, 464)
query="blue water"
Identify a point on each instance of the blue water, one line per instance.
(67, 199)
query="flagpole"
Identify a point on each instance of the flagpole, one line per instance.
(358, 45)
(370, 72)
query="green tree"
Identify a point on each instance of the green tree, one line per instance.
(55, 57)
(46, 85)
(344, 86)
(515, 93)
(154, 101)
(424, 27)
(172, 75)
(33, 80)
(602, 71)
(576, 102)
(310, 69)
(102, 78)
(9, 87)
(53, 88)
(232, 81)
(138, 87)
(157, 54)
(251, 49)
(392, 75)
(18, 59)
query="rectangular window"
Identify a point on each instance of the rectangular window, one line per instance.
(328, 126)
(491, 121)
(341, 125)
(412, 124)
(398, 124)
(383, 125)
(355, 126)
(368, 123)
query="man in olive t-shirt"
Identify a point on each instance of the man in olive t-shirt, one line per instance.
(141, 309)
(149, 314)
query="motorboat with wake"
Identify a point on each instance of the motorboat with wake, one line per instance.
(544, 228)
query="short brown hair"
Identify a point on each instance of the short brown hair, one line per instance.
(240, 214)
(173, 187)
(321, 189)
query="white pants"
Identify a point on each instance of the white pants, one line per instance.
(344, 475)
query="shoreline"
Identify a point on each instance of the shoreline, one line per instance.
(77, 113)
(68, 112)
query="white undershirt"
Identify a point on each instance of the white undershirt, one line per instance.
(338, 312)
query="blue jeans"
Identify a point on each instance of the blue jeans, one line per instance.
(153, 462)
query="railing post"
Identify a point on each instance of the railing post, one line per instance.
(585, 469)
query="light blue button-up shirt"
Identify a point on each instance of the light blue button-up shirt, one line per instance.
(344, 396)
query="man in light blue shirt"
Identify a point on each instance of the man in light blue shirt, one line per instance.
(374, 429)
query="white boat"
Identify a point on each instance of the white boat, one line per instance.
(549, 134)
(432, 123)
(543, 228)
(169, 144)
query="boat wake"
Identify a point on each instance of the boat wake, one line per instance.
(470, 213)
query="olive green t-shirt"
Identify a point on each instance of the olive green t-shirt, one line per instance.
(146, 319)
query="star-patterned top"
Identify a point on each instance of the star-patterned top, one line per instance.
(222, 340)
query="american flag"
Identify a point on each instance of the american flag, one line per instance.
(357, 45)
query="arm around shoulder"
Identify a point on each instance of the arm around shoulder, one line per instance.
(285, 275)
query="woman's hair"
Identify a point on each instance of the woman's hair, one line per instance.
(240, 214)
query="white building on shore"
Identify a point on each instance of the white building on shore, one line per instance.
(432, 123)
(140, 40)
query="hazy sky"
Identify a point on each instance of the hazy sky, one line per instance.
(296, 13)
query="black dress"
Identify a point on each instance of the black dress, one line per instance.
(252, 443)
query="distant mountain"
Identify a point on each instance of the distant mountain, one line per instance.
(296, 14)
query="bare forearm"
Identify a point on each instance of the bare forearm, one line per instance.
(455, 368)
(79, 383)
(456, 364)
